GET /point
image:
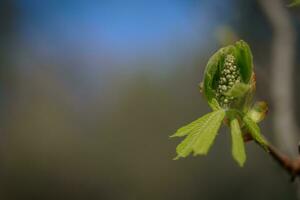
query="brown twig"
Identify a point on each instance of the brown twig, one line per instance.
(292, 166)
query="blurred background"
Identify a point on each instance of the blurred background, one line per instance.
(91, 90)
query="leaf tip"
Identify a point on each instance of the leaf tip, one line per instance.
(241, 163)
(200, 153)
(177, 157)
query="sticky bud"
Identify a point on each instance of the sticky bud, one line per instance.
(229, 66)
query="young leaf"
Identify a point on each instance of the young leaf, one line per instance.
(238, 148)
(255, 131)
(185, 130)
(238, 90)
(210, 74)
(206, 139)
(202, 135)
(245, 60)
(214, 105)
(192, 130)
(186, 146)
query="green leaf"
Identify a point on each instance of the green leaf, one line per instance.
(244, 60)
(201, 135)
(186, 146)
(248, 98)
(183, 131)
(209, 132)
(254, 130)
(238, 148)
(210, 74)
(214, 105)
(238, 90)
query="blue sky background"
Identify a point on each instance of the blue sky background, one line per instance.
(121, 31)
(92, 45)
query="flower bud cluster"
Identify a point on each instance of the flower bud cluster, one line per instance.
(229, 76)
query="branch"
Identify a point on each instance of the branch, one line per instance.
(292, 166)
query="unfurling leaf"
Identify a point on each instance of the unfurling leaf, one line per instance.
(214, 105)
(200, 134)
(183, 131)
(254, 131)
(238, 147)
(238, 90)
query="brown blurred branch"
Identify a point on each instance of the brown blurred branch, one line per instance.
(292, 166)
(282, 88)
(281, 75)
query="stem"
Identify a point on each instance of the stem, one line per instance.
(291, 165)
